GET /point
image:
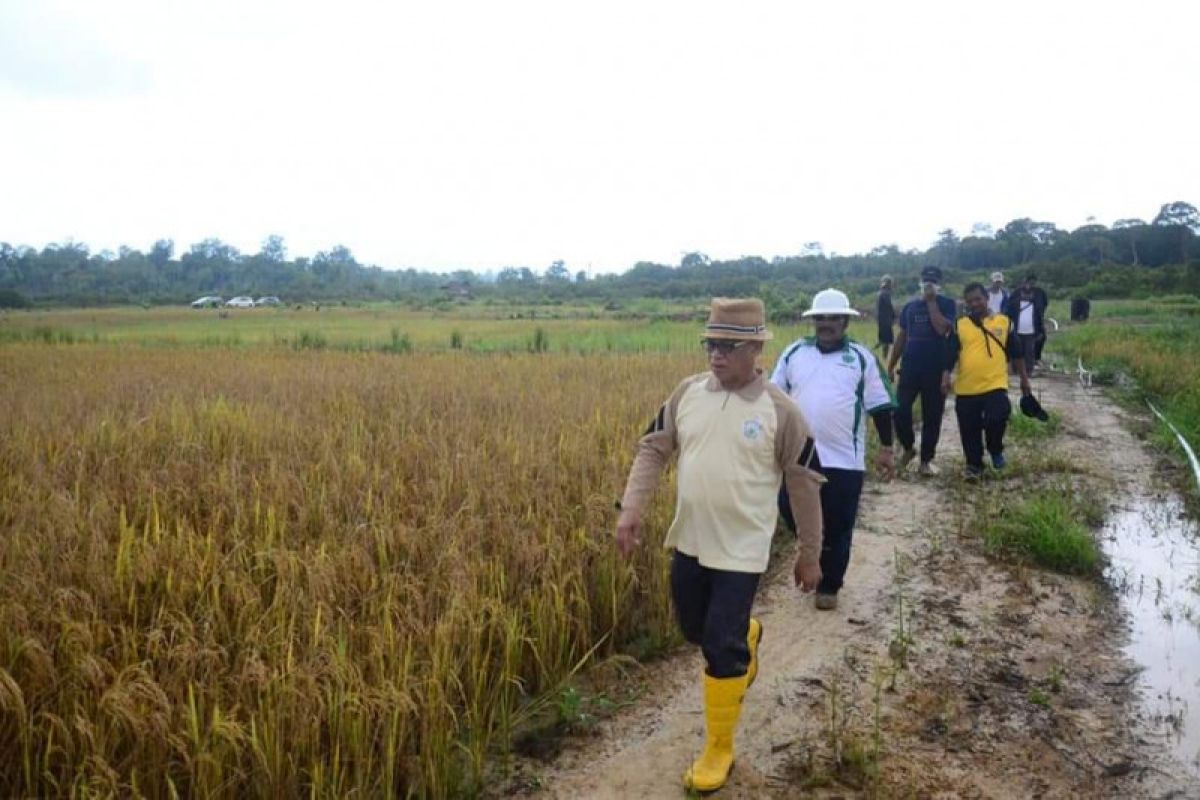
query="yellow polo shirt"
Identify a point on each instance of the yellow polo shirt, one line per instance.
(982, 359)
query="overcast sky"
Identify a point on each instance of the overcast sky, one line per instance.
(484, 134)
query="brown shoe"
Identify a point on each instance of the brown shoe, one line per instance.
(826, 602)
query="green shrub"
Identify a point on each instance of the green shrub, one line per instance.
(11, 298)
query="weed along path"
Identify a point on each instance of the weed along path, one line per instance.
(953, 667)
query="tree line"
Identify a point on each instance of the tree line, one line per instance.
(1132, 256)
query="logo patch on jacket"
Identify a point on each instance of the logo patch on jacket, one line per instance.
(752, 429)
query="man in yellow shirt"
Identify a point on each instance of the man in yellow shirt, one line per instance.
(982, 345)
(738, 436)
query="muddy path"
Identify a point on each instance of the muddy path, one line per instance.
(941, 674)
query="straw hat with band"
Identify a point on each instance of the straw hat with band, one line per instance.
(739, 320)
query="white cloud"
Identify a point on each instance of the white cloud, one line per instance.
(485, 134)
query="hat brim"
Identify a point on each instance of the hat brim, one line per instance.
(839, 312)
(764, 336)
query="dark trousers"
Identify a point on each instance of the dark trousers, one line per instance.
(1030, 350)
(713, 610)
(982, 417)
(839, 511)
(927, 384)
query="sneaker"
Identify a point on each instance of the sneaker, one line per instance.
(826, 602)
(972, 474)
(998, 461)
(907, 454)
(927, 469)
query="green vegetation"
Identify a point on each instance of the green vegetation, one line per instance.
(1133, 258)
(1157, 343)
(1026, 429)
(391, 328)
(1048, 527)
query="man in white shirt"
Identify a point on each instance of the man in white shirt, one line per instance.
(997, 298)
(837, 383)
(1027, 310)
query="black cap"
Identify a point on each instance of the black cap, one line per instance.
(931, 274)
(1030, 407)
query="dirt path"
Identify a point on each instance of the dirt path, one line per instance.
(941, 674)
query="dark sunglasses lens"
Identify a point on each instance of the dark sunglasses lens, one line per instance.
(719, 346)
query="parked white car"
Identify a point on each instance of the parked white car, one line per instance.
(268, 301)
(209, 301)
(240, 302)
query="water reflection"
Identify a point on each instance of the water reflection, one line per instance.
(1155, 563)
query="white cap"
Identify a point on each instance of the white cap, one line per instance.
(831, 302)
(998, 276)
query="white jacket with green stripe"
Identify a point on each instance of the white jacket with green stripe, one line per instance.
(836, 391)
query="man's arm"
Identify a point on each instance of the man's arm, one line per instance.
(794, 449)
(655, 448)
(936, 318)
(885, 462)
(953, 346)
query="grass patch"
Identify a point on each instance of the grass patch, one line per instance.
(1027, 429)
(1050, 528)
(310, 340)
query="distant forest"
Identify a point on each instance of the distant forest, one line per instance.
(1131, 257)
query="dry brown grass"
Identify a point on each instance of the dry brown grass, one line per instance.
(275, 573)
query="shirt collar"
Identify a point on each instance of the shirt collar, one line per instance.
(750, 392)
(843, 346)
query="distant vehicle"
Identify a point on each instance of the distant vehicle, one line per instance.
(209, 301)
(268, 301)
(240, 302)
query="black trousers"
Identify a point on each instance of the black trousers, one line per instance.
(927, 385)
(982, 417)
(1029, 350)
(713, 610)
(839, 511)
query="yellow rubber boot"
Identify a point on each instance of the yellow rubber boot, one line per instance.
(752, 639)
(722, 707)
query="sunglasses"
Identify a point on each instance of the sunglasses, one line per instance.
(722, 346)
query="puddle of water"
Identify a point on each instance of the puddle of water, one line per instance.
(1155, 563)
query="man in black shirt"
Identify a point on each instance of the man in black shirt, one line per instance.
(885, 316)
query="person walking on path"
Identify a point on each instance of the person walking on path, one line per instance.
(925, 323)
(1027, 310)
(885, 315)
(982, 345)
(738, 436)
(997, 296)
(837, 383)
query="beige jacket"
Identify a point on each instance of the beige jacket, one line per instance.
(735, 448)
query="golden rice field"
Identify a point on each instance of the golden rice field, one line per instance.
(274, 572)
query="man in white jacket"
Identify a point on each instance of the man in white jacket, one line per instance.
(837, 383)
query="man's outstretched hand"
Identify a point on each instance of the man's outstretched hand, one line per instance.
(629, 532)
(807, 575)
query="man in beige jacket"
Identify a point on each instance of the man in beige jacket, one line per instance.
(738, 436)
